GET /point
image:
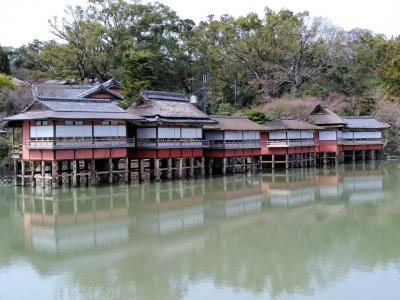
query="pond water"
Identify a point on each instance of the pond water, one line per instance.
(303, 234)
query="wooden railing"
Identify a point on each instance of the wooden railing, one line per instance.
(290, 143)
(80, 143)
(235, 144)
(163, 143)
(361, 142)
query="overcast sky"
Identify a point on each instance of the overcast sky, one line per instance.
(22, 21)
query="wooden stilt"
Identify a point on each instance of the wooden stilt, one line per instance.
(180, 168)
(363, 155)
(22, 172)
(43, 173)
(260, 165)
(169, 168)
(203, 167)
(210, 166)
(93, 180)
(157, 173)
(224, 165)
(110, 170)
(32, 167)
(54, 174)
(325, 161)
(287, 161)
(15, 170)
(273, 161)
(191, 173)
(127, 170)
(74, 172)
(353, 157)
(141, 170)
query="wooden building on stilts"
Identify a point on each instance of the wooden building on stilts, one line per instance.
(79, 135)
(362, 138)
(289, 143)
(73, 134)
(169, 143)
(329, 148)
(234, 144)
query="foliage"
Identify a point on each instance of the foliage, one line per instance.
(138, 74)
(14, 100)
(230, 63)
(5, 82)
(256, 116)
(225, 109)
(4, 62)
(388, 54)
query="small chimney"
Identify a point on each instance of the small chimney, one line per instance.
(193, 100)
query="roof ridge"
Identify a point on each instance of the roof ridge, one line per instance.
(150, 95)
(358, 117)
(229, 117)
(96, 100)
(66, 85)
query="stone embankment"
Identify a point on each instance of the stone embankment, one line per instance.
(6, 175)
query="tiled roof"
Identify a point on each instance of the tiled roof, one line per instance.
(289, 124)
(98, 89)
(65, 91)
(112, 82)
(234, 123)
(84, 105)
(48, 114)
(362, 122)
(60, 91)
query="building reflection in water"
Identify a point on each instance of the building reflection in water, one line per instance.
(243, 231)
(73, 219)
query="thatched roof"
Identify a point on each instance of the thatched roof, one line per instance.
(289, 124)
(323, 116)
(168, 107)
(364, 122)
(234, 123)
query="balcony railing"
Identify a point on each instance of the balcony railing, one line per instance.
(350, 142)
(164, 143)
(290, 143)
(238, 144)
(80, 143)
